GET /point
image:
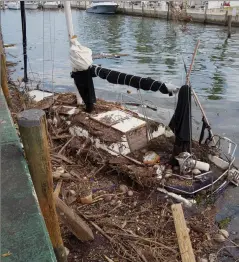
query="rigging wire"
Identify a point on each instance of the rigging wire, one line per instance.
(52, 53)
(43, 46)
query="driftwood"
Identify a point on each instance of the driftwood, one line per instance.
(100, 56)
(111, 239)
(64, 158)
(75, 224)
(108, 259)
(58, 188)
(184, 241)
(66, 144)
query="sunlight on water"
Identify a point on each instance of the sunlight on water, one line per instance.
(155, 49)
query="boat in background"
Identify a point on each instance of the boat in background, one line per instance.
(31, 5)
(50, 5)
(14, 5)
(102, 7)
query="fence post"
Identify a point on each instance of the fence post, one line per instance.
(33, 131)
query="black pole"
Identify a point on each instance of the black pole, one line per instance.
(168, 10)
(24, 39)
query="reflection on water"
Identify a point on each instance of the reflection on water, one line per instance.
(155, 49)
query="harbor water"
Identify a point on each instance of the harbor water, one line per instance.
(155, 48)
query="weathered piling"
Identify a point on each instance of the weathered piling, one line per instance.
(229, 26)
(4, 82)
(33, 131)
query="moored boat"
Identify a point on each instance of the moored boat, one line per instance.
(50, 5)
(14, 5)
(102, 7)
(31, 5)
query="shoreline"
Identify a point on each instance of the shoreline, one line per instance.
(209, 17)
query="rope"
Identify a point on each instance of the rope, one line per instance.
(144, 113)
(52, 53)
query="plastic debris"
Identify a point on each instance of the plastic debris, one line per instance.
(151, 158)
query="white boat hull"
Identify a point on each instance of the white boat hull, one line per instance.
(31, 6)
(13, 6)
(49, 5)
(102, 9)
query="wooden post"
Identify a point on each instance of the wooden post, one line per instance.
(85, 5)
(184, 241)
(33, 131)
(229, 27)
(168, 10)
(205, 14)
(226, 15)
(4, 82)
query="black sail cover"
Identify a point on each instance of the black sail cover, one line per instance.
(138, 82)
(181, 122)
(85, 85)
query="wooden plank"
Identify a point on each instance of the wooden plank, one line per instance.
(184, 241)
(75, 224)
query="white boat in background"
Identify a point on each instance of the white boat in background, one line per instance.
(14, 5)
(102, 7)
(31, 5)
(50, 5)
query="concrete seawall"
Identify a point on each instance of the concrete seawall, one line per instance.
(198, 17)
(216, 17)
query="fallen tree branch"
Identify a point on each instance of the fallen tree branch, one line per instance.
(63, 158)
(108, 259)
(66, 144)
(146, 240)
(112, 240)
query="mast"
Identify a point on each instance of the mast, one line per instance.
(24, 39)
(70, 29)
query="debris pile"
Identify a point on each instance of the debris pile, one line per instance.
(106, 190)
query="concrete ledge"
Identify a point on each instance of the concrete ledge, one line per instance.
(198, 17)
(24, 234)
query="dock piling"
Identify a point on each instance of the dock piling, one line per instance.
(229, 27)
(33, 131)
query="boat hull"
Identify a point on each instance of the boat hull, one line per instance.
(102, 9)
(13, 6)
(50, 6)
(31, 6)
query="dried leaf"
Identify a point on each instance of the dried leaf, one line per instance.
(7, 254)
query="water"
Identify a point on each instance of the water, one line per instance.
(155, 49)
